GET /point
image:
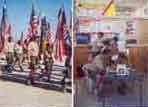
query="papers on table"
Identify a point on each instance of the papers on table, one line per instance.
(122, 69)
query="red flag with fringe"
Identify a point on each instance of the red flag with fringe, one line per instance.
(60, 48)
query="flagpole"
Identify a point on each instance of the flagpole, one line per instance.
(4, 1)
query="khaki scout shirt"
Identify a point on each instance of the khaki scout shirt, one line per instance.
(9, 47)
(99, 62)
(33, 49)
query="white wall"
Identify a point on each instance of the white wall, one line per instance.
(142, 12)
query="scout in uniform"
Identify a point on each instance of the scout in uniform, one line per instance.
(9, 50)
(19, 53)
(25, 51)
(33, 52)
(48, 60)
(96, 69)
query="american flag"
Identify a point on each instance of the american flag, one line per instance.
(34, 23)
(5, 28)
(60, 48)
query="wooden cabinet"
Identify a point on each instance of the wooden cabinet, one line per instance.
(138, 53)
(81, 54)
(138, 58)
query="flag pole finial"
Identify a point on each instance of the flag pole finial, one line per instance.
(4, 3)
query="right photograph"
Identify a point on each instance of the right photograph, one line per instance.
(110, 53)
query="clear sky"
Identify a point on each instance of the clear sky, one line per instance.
(19, 13)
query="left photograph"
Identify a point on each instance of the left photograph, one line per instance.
(35, 53)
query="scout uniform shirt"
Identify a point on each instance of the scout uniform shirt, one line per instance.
(9, 50)
(33, 49)
(9, 47)
(19, 49)
(97, 64)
